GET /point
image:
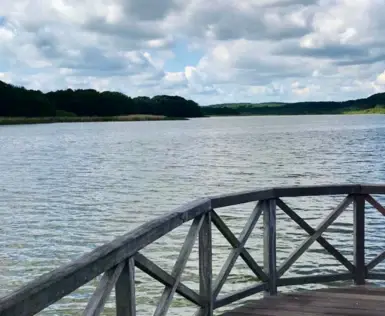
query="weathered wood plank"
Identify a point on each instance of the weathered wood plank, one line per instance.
(337, 296)
(234, 254)
(241, 198)
(376, 261)
(269, 245)
(359, 239)
(310, 230)
(274, 312)
(154, 271)
(317, 190)
(357, 289)
(375, 276)
(239, 295)
(293, 191)
(96, 303)
(319, 230)
(312, 306)
(372, 189)
(375, 204)
(205, 267)
(52, 286)
(125, 290)
(168, 293)
(234, 242)
(309, 279)
(336, 302)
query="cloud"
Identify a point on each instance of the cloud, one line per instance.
(232, 19)
(221, 50)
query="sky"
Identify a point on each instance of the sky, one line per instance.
(211, 51)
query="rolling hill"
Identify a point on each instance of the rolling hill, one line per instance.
(373, 104)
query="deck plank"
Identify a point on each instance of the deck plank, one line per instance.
(352, 301)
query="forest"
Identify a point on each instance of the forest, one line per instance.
(372, 104)
(21, 102)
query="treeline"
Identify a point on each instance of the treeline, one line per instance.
(373, 103)
(21, 102)
(225, 111)
(18, 101)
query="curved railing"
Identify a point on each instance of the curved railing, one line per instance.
(116, 260)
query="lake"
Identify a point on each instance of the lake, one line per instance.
(67, 188)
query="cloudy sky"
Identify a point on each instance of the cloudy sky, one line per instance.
(212, 51)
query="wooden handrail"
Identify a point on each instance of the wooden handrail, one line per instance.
(50, 287)
(116, 260)
(224, 200)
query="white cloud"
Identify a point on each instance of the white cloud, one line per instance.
(251, 50)
(381, 78)
(299, 89)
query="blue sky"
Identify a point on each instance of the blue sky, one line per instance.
(184, 56)
(209, 51)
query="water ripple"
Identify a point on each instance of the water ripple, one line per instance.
(67, 188)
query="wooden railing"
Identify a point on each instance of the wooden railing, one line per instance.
(117, 259)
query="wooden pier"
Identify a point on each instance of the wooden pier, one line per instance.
(357, 301)
(116, 261)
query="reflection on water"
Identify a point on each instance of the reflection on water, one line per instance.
(67, 188)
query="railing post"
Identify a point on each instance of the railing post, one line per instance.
(269, 245)
(205, 266)
(359, 239)
(125, 290)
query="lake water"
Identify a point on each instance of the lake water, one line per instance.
(67, 188)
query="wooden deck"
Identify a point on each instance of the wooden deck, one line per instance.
(116, 261)
(359, 300)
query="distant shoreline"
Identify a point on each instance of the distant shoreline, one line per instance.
(375, 110)
(375, 104)
(363, 112)
(84, 119)
(138, 118)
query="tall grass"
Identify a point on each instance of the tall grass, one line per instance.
(83, 119)
(379, 109)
